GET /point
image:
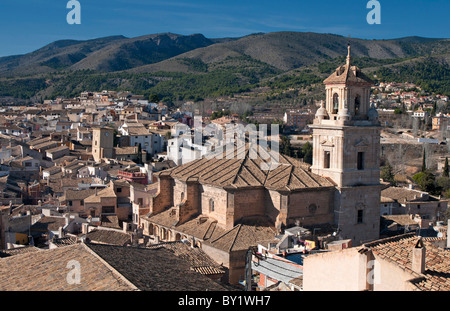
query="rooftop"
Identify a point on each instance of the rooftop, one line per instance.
(398, 250)
(245, 168)
(403, 195)
(112, 237)
(198, 259)
(103, 268)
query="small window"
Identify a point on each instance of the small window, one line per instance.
(357, 104)
(335, 103)
(119, 190)
(327, 159)
(360, 161)
(211, 205)
(360, 216)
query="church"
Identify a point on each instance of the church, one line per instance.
(225, 206)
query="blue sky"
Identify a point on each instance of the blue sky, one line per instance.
(27, 25)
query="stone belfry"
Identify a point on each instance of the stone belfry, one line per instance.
(346, 142)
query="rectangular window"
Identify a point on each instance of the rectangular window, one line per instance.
(327, 159)
(360, 216)
(108, 210)
(360, 161)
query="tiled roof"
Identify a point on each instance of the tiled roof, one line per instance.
(65, 241)
(243, 236)
(403, 195)
(57, 149)
(346, 74)
(202, 228)
(49, 223)
(244, 169)
(18, 251)
(136, 131)
(154, 269)
(398, 250)
(108, 192)
(47, 270)
(402, 220)
(78, 194)
(198, 259)
(110, 221)
(111, 237)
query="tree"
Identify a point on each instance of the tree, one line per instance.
(445, 173)
(387, 174)
(153, 98)
(427, 182)
(285, 146)
(424, 162)
(307, 151)
(139, 154)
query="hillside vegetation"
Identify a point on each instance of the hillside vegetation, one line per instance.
(274, 66)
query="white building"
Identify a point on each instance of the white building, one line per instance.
(151, 142)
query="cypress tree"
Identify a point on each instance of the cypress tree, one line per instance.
(424, 164)
(446, 168)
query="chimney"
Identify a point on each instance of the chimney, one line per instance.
(418, 257)
(84, 228)
(61, 232)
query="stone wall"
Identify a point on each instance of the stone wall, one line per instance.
(248, 202)
(349, 202)
(217, 197)
(272, 205)
(311, 207)
(164, 197)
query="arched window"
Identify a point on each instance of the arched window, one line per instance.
(211, 205)
(335, 103)
(182, 196)
(357, 104)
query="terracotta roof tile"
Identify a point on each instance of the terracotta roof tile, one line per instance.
(398, 250)
(245, 170)
(198, 259)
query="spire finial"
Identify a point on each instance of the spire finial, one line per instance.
(349, 57)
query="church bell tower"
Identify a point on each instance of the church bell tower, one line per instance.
(346, 142)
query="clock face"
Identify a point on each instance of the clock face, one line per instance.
(106, 134)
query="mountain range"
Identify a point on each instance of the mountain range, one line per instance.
(251, 59)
